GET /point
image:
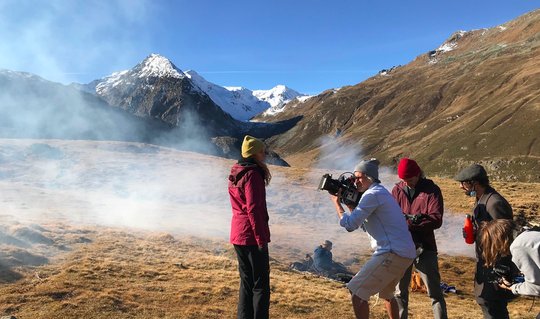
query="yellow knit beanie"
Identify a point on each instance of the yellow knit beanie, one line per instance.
(251, 146)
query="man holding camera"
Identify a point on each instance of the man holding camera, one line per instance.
(422, 203)
(380, 216)
(490, 205)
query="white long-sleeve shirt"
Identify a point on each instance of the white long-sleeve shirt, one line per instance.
(380, 216)
(525, 252)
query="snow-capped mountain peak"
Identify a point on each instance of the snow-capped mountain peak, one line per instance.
(278, 97)
(241, 103)
(156, 65)
(153, 66)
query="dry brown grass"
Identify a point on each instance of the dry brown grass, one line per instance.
(123, 275)
(115, 273)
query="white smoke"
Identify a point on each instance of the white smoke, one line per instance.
(338, 156)
(62, 40)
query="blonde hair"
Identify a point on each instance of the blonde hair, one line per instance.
(496, 237)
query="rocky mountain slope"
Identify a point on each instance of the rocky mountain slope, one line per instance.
(156, 88)
(473, 99)
(240, 103)
(198, 112)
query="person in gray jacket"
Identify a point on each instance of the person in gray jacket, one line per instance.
(501, 239)
(379, 215)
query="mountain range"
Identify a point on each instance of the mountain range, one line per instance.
(154, 102)
(475, 98)
(239, 102)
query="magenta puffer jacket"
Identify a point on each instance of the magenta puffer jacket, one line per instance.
(247, 191)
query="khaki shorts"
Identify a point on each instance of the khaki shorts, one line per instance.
(379, 275)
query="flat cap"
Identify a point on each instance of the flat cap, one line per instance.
(474, 172)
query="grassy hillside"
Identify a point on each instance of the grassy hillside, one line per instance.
(143, 275)
(475, 99)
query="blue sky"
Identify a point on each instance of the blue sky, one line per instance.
(308, 45)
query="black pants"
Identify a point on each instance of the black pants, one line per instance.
(254, 268)
(492, 300)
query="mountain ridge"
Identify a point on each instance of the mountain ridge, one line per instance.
(474, 99)
(241, 103)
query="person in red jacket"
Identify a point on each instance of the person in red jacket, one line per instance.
(422, 203)
(250, 233)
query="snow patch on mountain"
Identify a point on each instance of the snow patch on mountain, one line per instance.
(239, 102)
(447, 47)
(277, 96)
(156, 65)
(283, 106)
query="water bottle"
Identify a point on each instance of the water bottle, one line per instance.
(468, 230)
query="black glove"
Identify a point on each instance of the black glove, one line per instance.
(415, 219)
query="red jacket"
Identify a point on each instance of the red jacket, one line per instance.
(427, 200)
(249, 224)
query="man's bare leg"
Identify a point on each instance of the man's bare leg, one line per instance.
(361, 307)
(392, 308)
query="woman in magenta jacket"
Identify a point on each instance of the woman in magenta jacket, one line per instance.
(250, 233)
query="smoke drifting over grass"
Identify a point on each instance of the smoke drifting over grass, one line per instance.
(337, 157)
(141, 186)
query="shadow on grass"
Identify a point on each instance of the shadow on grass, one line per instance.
(7, 275)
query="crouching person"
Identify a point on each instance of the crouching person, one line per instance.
(250, 233)
(380, 216)
(502, 240)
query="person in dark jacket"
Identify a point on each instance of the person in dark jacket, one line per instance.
(250, 233)
(421, 201)
(322, 257)
(490, 205)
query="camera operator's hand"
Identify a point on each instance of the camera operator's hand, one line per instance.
(505, 285)
(337, 203)
(335, 199)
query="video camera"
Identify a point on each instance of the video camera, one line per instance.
(343, 186)
(504, 271)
